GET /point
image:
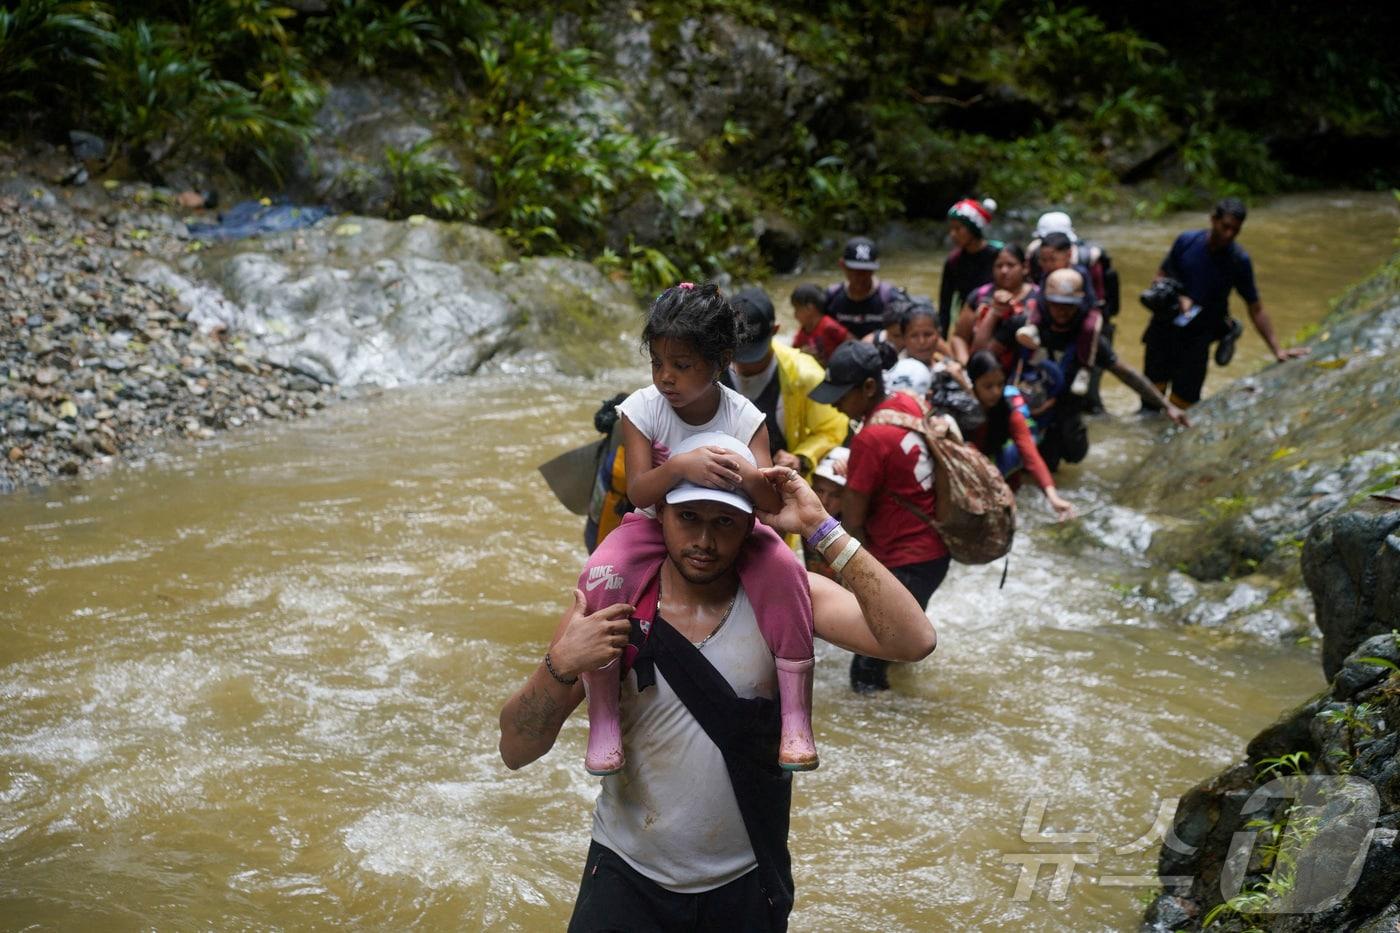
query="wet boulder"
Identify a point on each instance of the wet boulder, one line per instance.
(358, 300)
(1351, 561)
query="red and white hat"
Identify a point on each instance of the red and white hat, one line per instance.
(976, 214)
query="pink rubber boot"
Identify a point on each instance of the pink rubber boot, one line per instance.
(797, 750)
(604, 725)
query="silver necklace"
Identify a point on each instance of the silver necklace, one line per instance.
(714, 631)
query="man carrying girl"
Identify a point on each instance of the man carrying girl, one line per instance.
(691, 334)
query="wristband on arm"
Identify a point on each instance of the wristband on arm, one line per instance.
(844, 558)
(817, 539)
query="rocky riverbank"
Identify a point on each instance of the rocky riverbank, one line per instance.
(120, 331)
(1232, 501)
(97, 366)
(1301, 835)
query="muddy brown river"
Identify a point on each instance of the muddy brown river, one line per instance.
(254, 683)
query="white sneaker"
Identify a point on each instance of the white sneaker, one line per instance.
(1080, 386)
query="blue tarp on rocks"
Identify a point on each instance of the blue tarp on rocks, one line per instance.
(253, 218)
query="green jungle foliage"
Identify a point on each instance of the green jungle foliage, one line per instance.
(1042, 102)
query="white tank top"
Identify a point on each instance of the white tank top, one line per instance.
(671, 813)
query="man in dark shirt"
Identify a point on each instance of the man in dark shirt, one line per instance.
(858, 304)
(1209, 264)
(969, 265)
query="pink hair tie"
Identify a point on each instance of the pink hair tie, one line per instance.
(686, 286)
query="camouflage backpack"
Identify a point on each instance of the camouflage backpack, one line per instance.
(975, 511)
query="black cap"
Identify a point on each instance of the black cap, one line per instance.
(755, 310)
(861, 253)
(850, 365)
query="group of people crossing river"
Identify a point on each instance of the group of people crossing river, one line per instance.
(763, 491)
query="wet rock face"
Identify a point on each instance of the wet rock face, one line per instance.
(1351, 562)
(1341, 750)
(359, 118)
(119, 332)
(1343, 839)
(711, 70)
(362, 301)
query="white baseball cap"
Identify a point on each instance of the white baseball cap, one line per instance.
(909, 375)
(827, 468)
(686, 491)
(1054, 222)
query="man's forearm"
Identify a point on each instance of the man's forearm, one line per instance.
(891, 613)
(1265, 326)
(532, 718)
(1139, 384)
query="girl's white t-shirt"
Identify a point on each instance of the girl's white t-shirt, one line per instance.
(652, 415)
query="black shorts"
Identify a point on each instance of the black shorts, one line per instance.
(615, 898)
(1177, 356)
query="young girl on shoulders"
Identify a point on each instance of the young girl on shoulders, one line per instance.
(690, 335)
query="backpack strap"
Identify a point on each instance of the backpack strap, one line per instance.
(917, 512)
(746, 731)
(898, 419)
(921, 426)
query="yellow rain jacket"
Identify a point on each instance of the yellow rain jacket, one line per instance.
(811, 429)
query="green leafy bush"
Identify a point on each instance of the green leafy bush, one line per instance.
(162, 98)
(48, 45)
(425, 184)
(561, 165)
(374, 35)
(914, 113)
(1056, 165)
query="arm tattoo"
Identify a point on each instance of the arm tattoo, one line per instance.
(536, 715)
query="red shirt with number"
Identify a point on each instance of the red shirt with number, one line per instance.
(886, 459)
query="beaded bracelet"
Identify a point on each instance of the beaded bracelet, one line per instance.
(822, 531)
(555, 674)
(844, 558)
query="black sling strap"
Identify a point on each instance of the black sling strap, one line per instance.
(746, 731)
